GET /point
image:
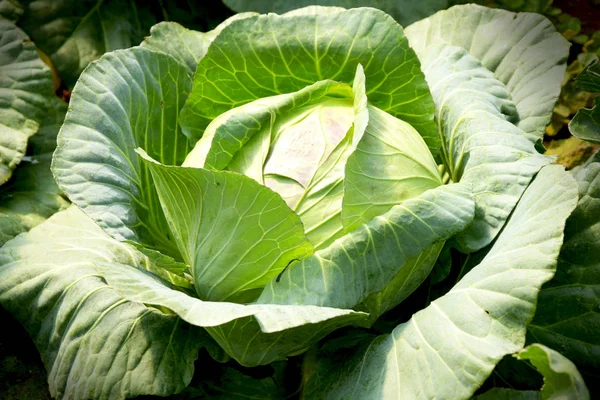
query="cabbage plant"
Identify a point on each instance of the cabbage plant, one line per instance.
(252, 189)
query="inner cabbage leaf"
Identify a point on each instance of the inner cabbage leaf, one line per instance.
(235, 234)
(267, 55)
(296, 144)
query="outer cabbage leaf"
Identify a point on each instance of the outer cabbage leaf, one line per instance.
(448, 349)
(526, 56)
(94, 342)
(272, 54)
(235, 234)
(405, 12)
(186, 45)
(25, 88)
(586, 123)
(568, 313)
(364, 261)
(523, 50)
(481, 145)
(561, 378)
(100, 343)
(127, 99)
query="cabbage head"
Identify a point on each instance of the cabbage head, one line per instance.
(252, 189)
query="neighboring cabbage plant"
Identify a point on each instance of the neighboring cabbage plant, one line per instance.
(25, 90)
(252, 189)
(30, 116)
